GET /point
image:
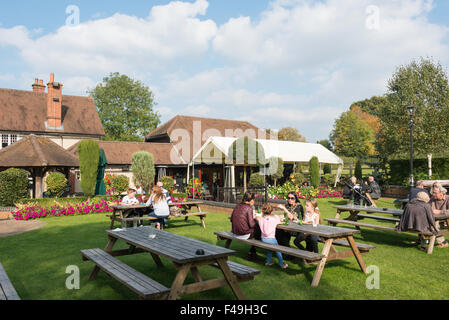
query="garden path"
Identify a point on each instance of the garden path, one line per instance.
(10, 227)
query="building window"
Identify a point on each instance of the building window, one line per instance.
(8, 139)
(5, 141)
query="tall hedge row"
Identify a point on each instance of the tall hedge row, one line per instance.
(400, 170)
(13, 186)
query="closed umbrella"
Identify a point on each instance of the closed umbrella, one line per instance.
(100, 188)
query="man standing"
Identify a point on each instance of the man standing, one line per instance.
(440, 205)
(419, 188)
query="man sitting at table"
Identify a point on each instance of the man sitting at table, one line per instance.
(415, 190)
(440, 205)
(418, 216)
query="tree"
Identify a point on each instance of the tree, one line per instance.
(358, 170)
(327, 144)
(276, 169)
(352, 137)
(425, 84)
(142, 167)
(370, 106)
(125, 107)
(89, 156)
(13, 186)
(246, 152)
(56, 183)
(314, 169)
(120, 184)
(290, 134)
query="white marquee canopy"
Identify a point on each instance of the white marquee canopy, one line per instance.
(216, 149)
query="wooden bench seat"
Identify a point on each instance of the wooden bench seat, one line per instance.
(144, 286)
(241, 271)
(308, 256)
(363, 247)
(202, 215)
(7, 291)
(370, 216)
(334, 222)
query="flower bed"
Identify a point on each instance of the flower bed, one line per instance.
(31, 212)
(304, 193)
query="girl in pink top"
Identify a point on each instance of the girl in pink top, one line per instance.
(267, 224)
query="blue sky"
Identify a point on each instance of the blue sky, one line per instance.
(274, 63)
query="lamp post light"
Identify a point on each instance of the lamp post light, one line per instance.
(411, 113)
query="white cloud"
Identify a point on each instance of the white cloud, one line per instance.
(119, 42)
(200, 111)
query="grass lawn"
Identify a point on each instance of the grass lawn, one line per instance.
(36, 263)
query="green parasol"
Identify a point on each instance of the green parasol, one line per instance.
(100, 188)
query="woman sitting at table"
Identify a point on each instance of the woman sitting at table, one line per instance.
(295, 212)
(159, 203)
(312, 216)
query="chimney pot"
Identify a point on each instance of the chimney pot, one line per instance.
(52, 77)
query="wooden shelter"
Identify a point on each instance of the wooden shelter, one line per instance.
(38, 156)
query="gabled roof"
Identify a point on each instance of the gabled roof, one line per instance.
(120, 153)
(186, 123)
(33, 151)
(26, 111)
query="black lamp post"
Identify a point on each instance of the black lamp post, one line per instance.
(411, 113)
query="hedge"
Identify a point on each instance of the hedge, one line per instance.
(400, 170)
(13, 186)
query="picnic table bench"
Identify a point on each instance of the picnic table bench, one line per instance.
(182, 251)
(331, 236)
(7, 291)
(355, 216)
(122, 213)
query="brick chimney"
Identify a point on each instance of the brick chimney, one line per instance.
(54, 103)
(38, 86)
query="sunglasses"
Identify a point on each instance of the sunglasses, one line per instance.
(291, 198)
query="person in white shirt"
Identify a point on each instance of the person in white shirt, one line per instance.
(130, 199)
(161, 211)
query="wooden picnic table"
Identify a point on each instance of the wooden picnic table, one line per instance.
(355, 216)
(183, 252)
(121, 213)
(330, 235)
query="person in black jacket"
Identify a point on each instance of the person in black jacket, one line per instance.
(415, 190)
(352, 190)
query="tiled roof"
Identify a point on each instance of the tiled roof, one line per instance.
(33, 151)
(26, 111)
(120, 153)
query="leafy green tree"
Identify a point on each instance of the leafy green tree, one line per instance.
(327, 144)
(169, 183)
(371, 105)
(352, 136)
(125, 107)
(314, 169)
(276, 169)
(56, 183)
(142, 167)
(89, 156)
(290, 134)
(13, 186)
(256, 180)
(120, 183)
(327, 169)
(425, 84)
(246, 152)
